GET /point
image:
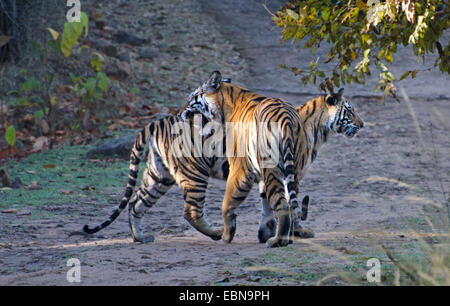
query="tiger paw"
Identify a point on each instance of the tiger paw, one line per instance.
(301, 232)
(304, 233)
(267, 230)
(217, 234)
(228, 234)
(275, 242)
(144, 239)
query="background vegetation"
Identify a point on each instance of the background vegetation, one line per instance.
(358, 34)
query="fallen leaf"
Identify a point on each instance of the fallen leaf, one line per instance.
(151, 109)
(28, 118)
(49, 166)
(45, 127)
(346, 251)
(124, 109)
(34, 186)
(223, 280)
(42, 143)
(10, 211)
(128, 124)
(4, 40)
(24, 213)
(113, 126)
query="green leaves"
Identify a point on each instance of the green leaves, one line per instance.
(72, 32)
(31, 84)
(90, 88)
(103, 81)
(10, 135)
(38, 115)
(354, 28)
(96, 61)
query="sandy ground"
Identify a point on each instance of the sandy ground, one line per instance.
(364, 191)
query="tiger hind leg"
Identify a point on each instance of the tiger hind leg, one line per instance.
(147, 196)
(275, 190)
(237, 189)
(268, 224)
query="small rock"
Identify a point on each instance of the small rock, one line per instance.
(120, 147)
(147, 54)
(5, 178)
(254, 278)
(124, 58)
(17, 183)
(119, 70)
(123, 37)
(100, 24)
(105, 47)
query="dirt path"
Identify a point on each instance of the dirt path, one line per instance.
(365, 191)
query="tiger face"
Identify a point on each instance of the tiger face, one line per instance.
(202, 100)
(343, 119)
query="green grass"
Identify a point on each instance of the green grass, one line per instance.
(88, 181)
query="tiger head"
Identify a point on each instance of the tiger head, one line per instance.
(343, 118)
(203, 99)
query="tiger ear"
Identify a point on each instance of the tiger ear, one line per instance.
(334, 99)
(339, 94)
(331, 100)
(213, 83)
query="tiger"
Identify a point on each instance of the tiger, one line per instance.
(165, 169)
(301, 132)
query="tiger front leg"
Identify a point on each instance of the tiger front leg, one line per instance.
(193, 210)
(200, 224)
